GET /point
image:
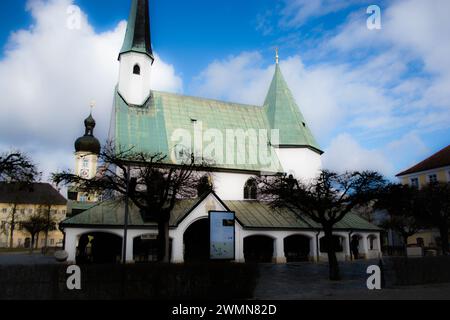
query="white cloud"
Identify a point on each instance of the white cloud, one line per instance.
(416, 31)
(297, 12)
(49, 75)
(346, 154)
(240, 78)
(329, 96)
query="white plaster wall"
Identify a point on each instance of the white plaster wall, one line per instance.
(363, 246)
(135, 89)
(230, 186)
(303, 163)
(73, 234)
(278, 236)
(92, 158)
(201, 212)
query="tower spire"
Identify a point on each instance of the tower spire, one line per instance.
(277, 57)
(138, 36)
(284, 114)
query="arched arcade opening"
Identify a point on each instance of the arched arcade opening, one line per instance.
(337, 243)
(258, 249)
(196, 241)
(99, 248)
(297, 248)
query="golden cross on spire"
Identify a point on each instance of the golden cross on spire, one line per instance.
(277, 57)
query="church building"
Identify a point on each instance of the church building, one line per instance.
(265, 139)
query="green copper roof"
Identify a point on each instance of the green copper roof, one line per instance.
(284, 114)
(250, 214)
(112, 213)
(138, 37)
(153, 127)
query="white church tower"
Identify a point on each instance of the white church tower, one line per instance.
(87, 150)
(136, 57)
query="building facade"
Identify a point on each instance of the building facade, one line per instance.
(241, 141)
(18, 203)
(435, 168)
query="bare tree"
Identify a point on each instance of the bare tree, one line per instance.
(326, 200)
(403, 204)
(51, 221)
(17, 166)
(35, 224)
(148, 181)
(435, 199)
(12, 224)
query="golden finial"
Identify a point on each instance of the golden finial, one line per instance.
(277, 57)
(92, 105)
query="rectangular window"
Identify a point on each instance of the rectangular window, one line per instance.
(22, 211)
(432, 178)
(85, 163)
(415, 182)
(30, 211)
(52, 242)
(4, 210)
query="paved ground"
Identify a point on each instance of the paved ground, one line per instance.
(25, 259)
(309, 281)
(302, 281)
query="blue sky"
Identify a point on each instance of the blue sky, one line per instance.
(375, 99)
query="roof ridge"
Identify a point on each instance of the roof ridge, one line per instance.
(209, 99)
(427, 164)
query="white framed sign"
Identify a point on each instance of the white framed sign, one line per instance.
(222, 235)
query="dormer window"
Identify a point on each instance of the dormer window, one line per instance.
(137, 70)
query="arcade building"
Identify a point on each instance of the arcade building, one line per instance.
(147, 120)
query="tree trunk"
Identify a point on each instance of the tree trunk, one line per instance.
(405, 244)
(11, 235)
(163, 239)
(443, 230)
(13, 226)
(47, 230)
(37, 240)
(32, 243)
(46, 240)
(332, 259)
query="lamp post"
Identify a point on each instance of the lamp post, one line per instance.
(131, 184)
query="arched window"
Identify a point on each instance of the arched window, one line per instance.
(137, 69)
(251, 190)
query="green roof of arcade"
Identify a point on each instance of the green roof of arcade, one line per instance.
(250, 214)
